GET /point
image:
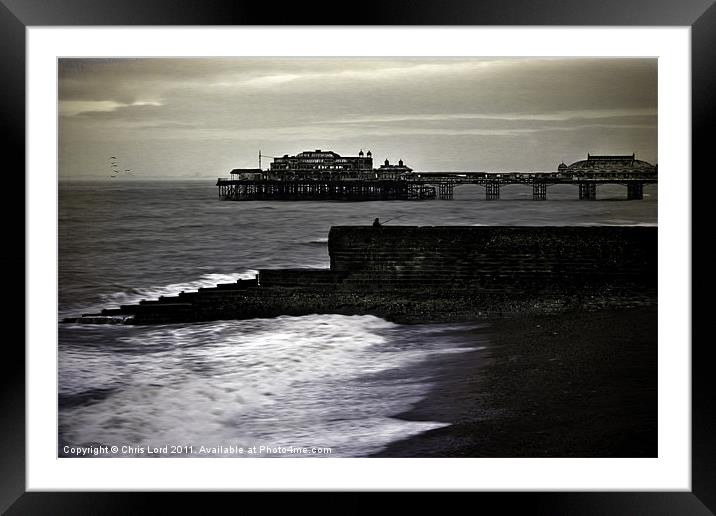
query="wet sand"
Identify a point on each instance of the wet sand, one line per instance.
(570, 385)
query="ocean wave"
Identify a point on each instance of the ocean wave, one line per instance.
(619, 223)
(135, 295)
(316, 242)
(317, 380)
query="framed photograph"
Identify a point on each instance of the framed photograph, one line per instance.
(418, 253)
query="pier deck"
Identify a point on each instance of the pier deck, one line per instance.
(427, 185)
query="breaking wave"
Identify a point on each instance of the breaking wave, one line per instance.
(319, 380)
(206, 280)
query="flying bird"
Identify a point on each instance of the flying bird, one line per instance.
(115, 171)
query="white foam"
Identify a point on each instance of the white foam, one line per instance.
(319, 380)
(154, 292)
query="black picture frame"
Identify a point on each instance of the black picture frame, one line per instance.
(17, 15)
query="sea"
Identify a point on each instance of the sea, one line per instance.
(321, 385)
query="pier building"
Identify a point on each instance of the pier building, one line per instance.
(320, 164)
(325, 175)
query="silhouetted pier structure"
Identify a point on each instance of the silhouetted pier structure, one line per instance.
(312, 189)
(587, 175)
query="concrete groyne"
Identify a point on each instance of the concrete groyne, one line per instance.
(440, 273)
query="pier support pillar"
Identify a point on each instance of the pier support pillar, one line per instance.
(445, 190)
(539, 191)
(587, 191)
(635, 191)
(413, 191)
(492, 191)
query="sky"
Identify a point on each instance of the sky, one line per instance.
(200, 118)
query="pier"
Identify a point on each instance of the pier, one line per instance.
(426, 185)
(326, 190)
(402, 183)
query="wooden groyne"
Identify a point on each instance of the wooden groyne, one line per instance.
(412, 274)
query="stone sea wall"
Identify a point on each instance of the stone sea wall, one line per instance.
(503, 259)
(442, 273)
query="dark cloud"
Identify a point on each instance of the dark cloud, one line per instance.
(467, 111)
